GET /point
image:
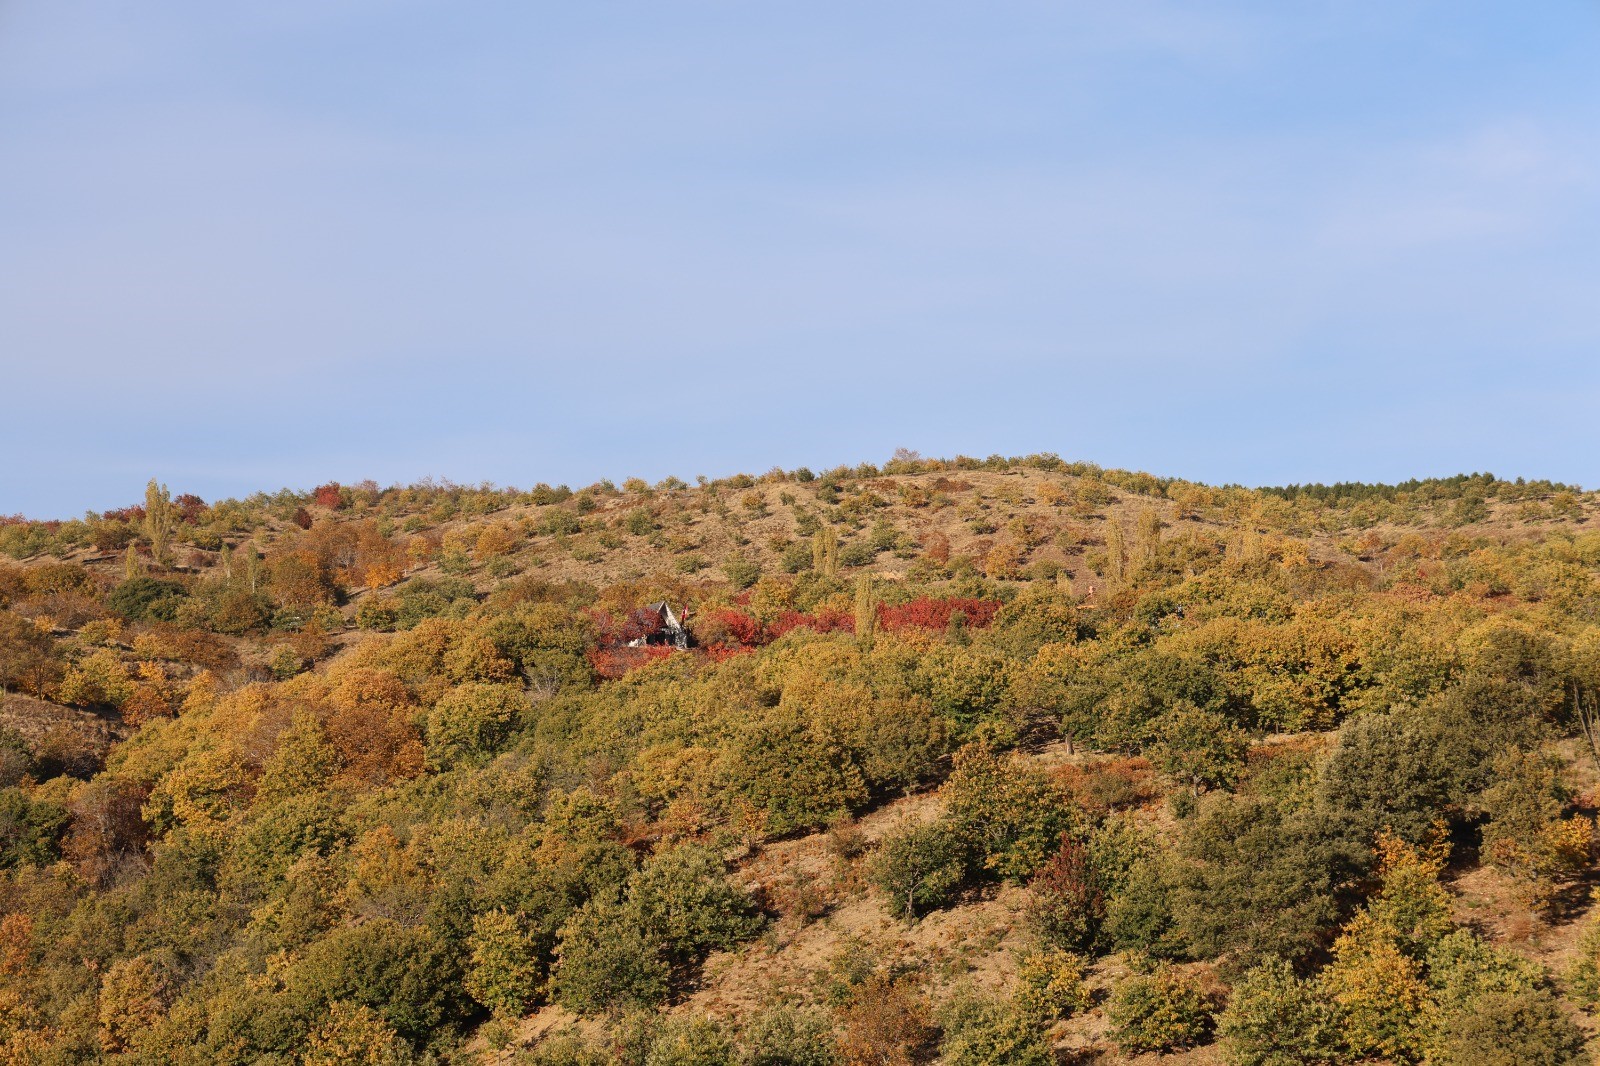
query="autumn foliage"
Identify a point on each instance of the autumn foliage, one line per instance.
(328, 496)
(734, 628)
(612, 663)
(366, 775)
(935, 614)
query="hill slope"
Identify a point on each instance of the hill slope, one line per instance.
(988, 760)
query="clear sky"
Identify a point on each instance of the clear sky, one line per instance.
(248, 245)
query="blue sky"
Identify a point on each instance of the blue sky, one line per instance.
(252, 245)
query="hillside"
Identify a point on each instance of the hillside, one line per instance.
(1011, 760)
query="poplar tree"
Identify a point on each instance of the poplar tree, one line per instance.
(1149, 529)
(159, 521)
(1116, 552)
(825, 551)
(866, 610)
(252, 566)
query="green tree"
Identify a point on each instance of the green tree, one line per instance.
(505, 972)
(1140, 915)
(405, 975)
(1116, 565)
(1378, 992)
(303, 760)
(140, 599)
(1462, 968)
(1201, 748)
(470, 721)
(274, 835)
(800, 778)
(920, 867)
(1254, 881)
(866, 610)
(1009, 811)
(606, 960)
(825, 552)
(354, 1035)
(684, 899)
(159, 521)
(1583, 974)
(1148, 530)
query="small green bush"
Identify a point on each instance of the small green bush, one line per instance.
(989, 1032)
(501, 567)
(1583, 977)
(1162, 1011)
(381, 613)
(694, 1041)
(795, 558)
(557, 522)
(857, 553)
(921, 867)
(139, 599)
(1510, 1029)
(1462, 968)
(1050, 986)
(1276, 1019)
(741, 573)
(788, 1036)
(285, 663)
(565, 1051)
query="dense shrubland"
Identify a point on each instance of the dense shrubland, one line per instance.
(388, 770)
